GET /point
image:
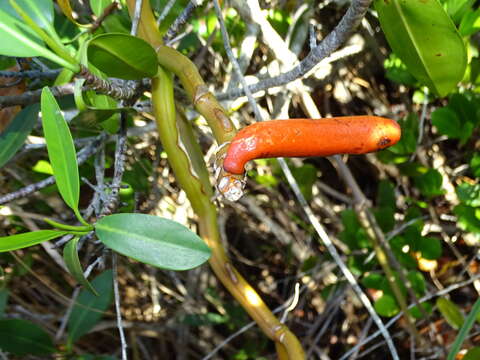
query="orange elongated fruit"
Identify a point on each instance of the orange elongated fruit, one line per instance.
(310, 137)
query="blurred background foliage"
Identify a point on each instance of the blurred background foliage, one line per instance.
(424, 194)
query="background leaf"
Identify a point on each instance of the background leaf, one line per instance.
(450, 312)
(21, 337)
(463, 333)
(12, 139)
(153, 240)
(89, 309)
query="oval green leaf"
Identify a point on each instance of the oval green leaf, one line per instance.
(61, 150)
(450, 312)
(21, 337)
(430, 247)
(70, 255)
(89, 309)
(12, 139)
(424, 37)
(150, 239)
(20, 241)
(386, 306)
(122, 56)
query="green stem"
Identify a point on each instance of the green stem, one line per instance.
(173, 143)
(58, 225)
(203, 100)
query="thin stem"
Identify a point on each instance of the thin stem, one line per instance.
(329, 44)
(165, 11)
(118, 310)
(181, 20)
(234, 62)
(136, 17)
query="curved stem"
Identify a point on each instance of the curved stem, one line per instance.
(172, 141)
(203, 100)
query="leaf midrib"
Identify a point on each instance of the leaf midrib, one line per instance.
(410, 34)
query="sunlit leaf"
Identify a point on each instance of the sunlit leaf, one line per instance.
(425, 38)
(153, 240)
(61, 150)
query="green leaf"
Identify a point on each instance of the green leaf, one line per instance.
(430, 247)
(417, 314)
(153, 240)
(123, 56)
(40, 11)
(25, 38)
(469, 194)
(447, 122)
(470, 23)
(396, 71)
(98, 6)
(464, 107)
(417, 281)
(475, 164)
(61, 150)
(430, 183)
(463, 333)
(472, 354)
(13, 137)
(467, 218)
(17, 38)
(20, 241)
(450, 312)
(353, 234)
(385, 218)
(425, 38)
(386, 306)
(21, 337)
(398, 243)
(375, 281)
(456, 9)
(70, 255)
(3, 301)
(386, 195)
(306, 175)
(89, 309)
